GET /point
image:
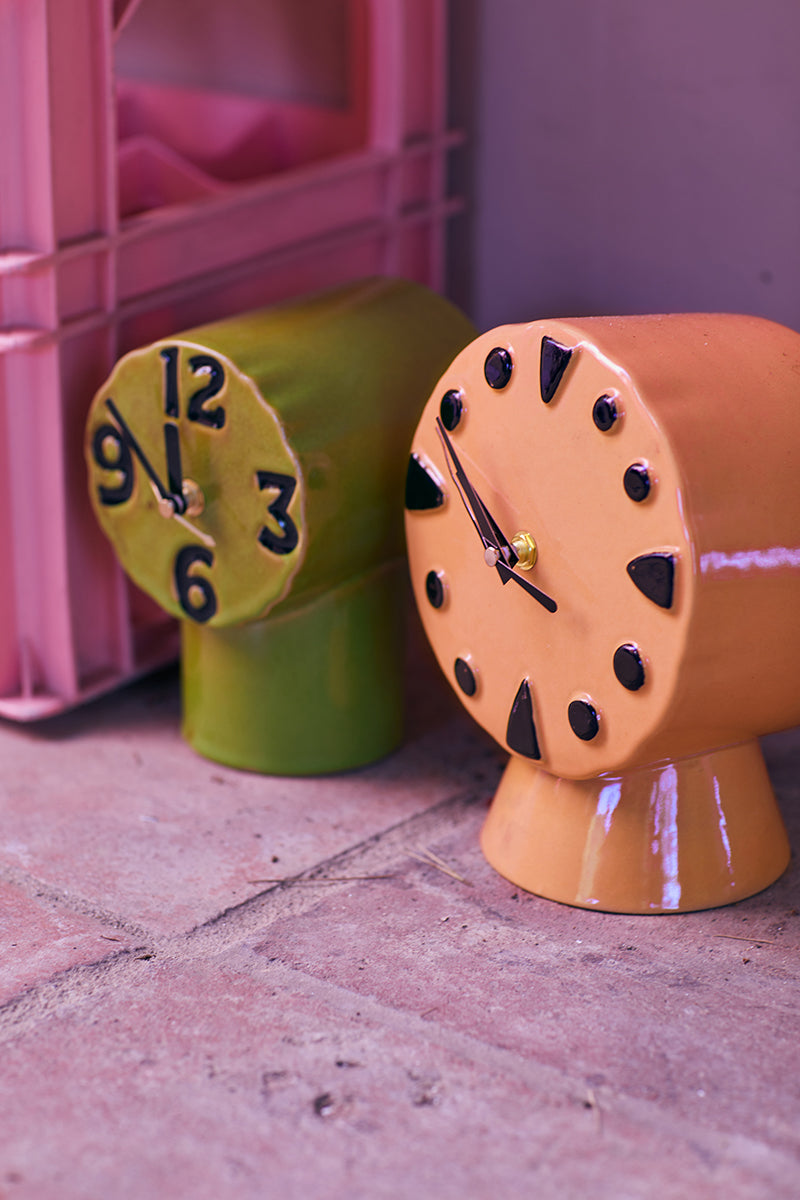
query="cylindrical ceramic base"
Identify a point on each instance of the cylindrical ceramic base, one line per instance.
(316, 689)
(673, 837)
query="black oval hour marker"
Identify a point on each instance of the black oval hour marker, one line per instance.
(434, 588)
(423, 488)
(521, 731)
(583, 720)
(465, 677)
(654, 576)
(554, 362)
(450, 409)
(628, 667)
(605, 413)
(497, 368)
(637, 482)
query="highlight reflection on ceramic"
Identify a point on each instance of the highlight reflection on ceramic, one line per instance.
(773, 558)
(664, 843)
(658, 839)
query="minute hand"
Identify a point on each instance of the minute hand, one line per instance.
(172, 447)
(490, 532)
(127, 433)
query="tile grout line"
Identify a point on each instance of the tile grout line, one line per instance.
(57, 900)
(539, 1076)
(127, 966)
(378, 850)
(556, 1085)
(225, 931)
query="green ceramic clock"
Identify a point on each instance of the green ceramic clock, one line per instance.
(196, 484)
(249, 476)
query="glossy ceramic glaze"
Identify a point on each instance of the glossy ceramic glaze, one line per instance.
(654, 463)
(321, 689)
(288, 576)
(672, 837)
(224, 463)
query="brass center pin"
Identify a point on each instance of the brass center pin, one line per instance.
(525, 550)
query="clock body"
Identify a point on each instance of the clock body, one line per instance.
(639, 476)
(231, 553)
(249, 475)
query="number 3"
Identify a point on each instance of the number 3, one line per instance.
(286, 540)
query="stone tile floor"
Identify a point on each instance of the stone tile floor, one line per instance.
(177, 1022)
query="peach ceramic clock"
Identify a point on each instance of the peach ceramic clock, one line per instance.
(603, 525)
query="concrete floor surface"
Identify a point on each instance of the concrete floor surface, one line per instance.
(176, 1021)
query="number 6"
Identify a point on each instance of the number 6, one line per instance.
(195, 593)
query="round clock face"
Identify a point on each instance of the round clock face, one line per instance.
(549, 553)
(195, 484)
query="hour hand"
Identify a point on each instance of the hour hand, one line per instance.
(505, 574)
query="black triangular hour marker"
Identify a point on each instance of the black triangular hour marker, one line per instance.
(521, 731)
(555, 359)
(654, 576)
(423, 488)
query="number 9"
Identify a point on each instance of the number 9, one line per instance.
(112, 453)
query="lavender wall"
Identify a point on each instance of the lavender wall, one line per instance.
(629, 156)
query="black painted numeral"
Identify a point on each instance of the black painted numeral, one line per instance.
(214, 418)
(171, 400)
(201, 364)
(286, 538)
(196, 596)
(112, 453)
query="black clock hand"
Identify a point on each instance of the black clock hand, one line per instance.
(127, 433)
(489, 531)
(506, 573)
(168, 502)
(172, 446)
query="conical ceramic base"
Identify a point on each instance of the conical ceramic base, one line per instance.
(674, 837)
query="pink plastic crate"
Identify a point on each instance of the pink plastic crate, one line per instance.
(166, 163)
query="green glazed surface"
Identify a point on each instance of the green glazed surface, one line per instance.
(314, 690)
(316, 685)
(348, 373)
